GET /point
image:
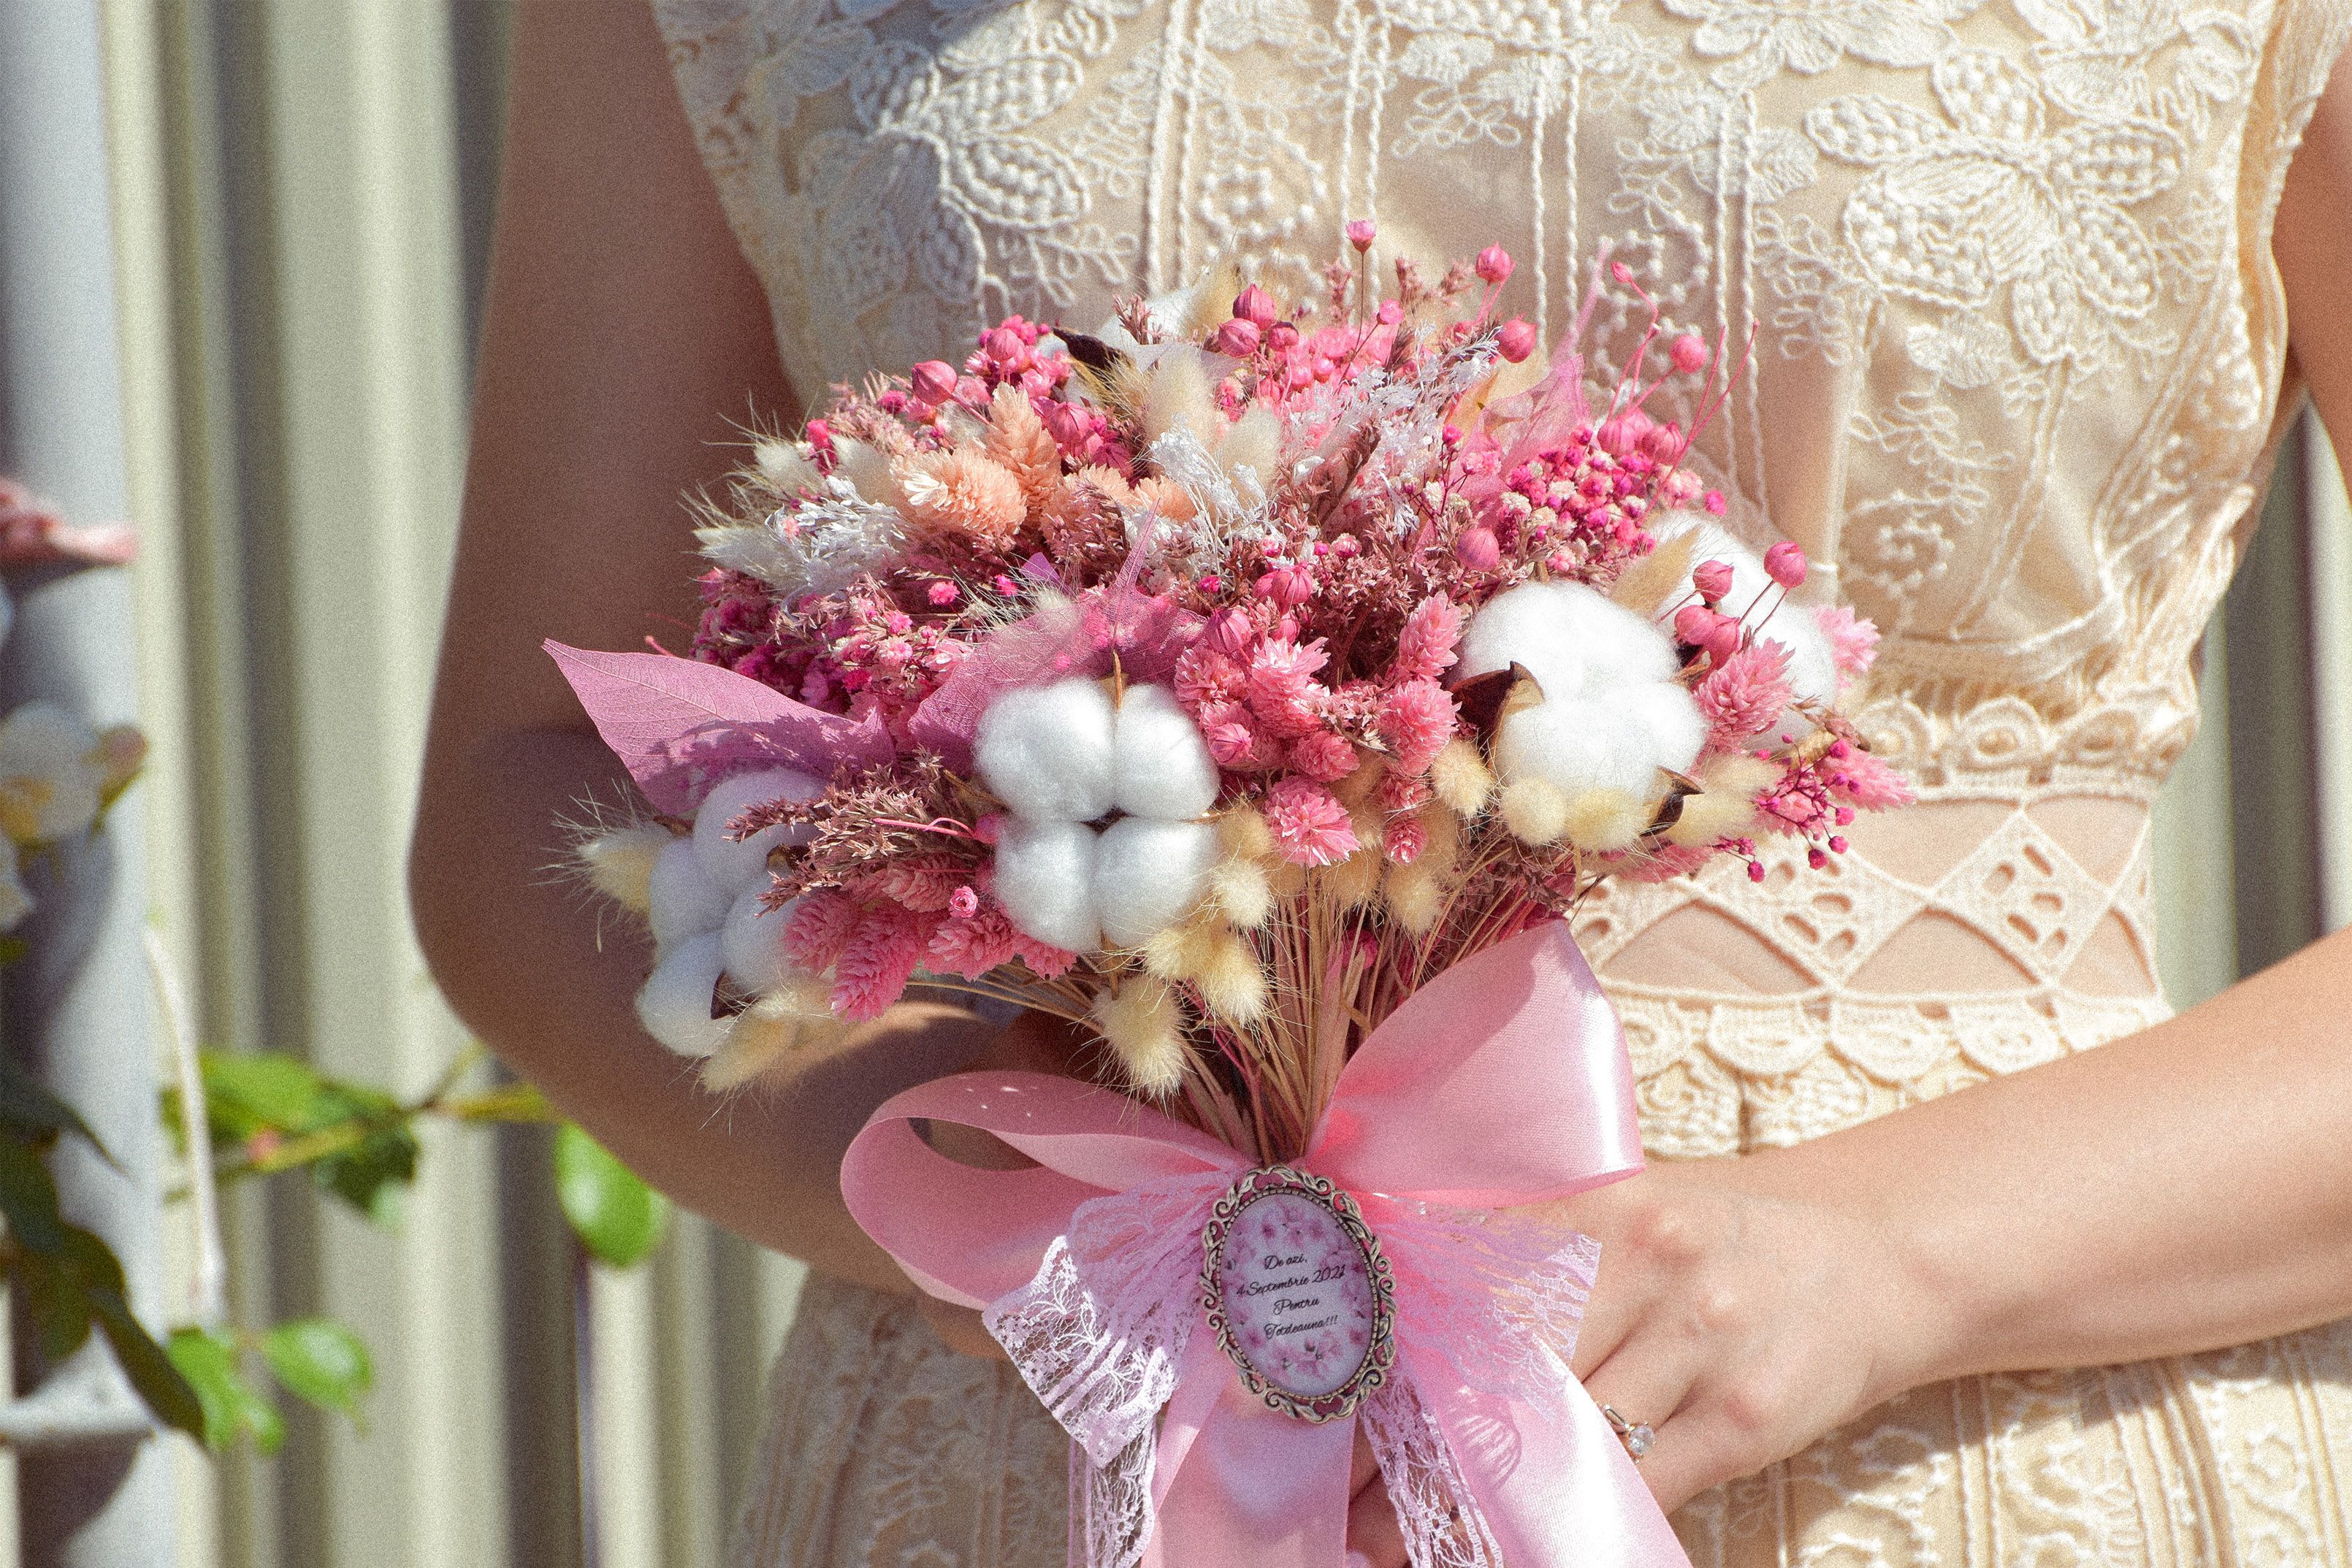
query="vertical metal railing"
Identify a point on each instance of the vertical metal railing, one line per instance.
(94, 1487)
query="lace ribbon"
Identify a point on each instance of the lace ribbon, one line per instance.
(1087, 1267)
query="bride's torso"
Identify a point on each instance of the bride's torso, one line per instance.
(2017, 367)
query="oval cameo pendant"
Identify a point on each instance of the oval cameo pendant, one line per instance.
(1297, 1293)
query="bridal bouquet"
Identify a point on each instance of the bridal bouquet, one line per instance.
(1257, 687)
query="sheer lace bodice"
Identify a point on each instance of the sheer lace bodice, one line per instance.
(2018, 362)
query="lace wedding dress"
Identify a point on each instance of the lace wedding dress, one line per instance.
(2020, 363)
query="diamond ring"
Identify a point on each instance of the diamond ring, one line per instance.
(1636, 1435)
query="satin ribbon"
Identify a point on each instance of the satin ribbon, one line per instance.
(1501, 1083)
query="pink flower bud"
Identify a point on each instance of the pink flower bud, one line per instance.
(1756, 871)
(1005, 344)
(1477, 550)
(1256, 307)
(1690, 353)
(1361, 232)
(1665, 443)
(1516, 342)
(1711, 579)
(1494, 264)
(1715, 503)
(1238, 337)
(1622, 433)
(1288, 586)
(1786, 563)
(1716, 634)
(934, 381)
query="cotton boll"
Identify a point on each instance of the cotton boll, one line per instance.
(735, 865)
(1665, 730)
(682, 901)
(674, 1005)
(620, 863)
(753, 939)
(1619, 647)
(1523, 627)
(1149, 874)
(1046, 751)
(1573, 745)
(1812, 662)
(1045, 872)
(1160, 766)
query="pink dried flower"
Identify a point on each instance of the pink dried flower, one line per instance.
(943, 594)
(1477, 550)
(1517, 340)
(1417, 720)
(1205, 675)
(1238, 337)
(820, 927)
(972, 944)
(1425, 647)
(1854, 641)
(1233, 739)
(1494, 264)
(1711, 579)
(1310, 827)
(1716, 634)
(1689, 353)
(1404, 839)
(1361, 232)
(1786, 563)
(881, 956)
(963, 903)
(934, 381)
(1870, 783)
(1322, 756)
(1400, 792)
(1743, 694)
(1256, 307)
(1046, 961)
(1288, 586)
(1283, 691)
(1715, 503)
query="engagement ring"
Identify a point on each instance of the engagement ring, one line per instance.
(1636, 1435)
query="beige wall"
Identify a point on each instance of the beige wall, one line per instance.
(301, 193)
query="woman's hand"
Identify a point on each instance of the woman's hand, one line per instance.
(1738, 1322)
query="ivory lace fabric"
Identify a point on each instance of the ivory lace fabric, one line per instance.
(2019, 362)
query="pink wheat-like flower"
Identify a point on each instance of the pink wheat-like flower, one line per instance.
(820, 926)
(1233, 737)
(1425, 647)
(1310, 827)
(1206, 676)
(881, 957)
(1870, 783)
(1404, 839)
(973, 944)
(1046, 961)
(1283, 691)
(1322, 756)
(1854, 641)
(1742, 695)
(1417, 719)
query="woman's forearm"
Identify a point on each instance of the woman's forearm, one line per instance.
(544, 974)
(2182, 1189)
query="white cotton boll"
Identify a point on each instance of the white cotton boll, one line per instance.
(1161, 767)
(674, 1005)
(735, 865)
(1149, 874)
(1666, 727)
(1045, 874)
(1045, 751)
(752, 940)
(1523, 627)
(1619, 647)
(1573, 744)
(1812, 663)
(682, 900)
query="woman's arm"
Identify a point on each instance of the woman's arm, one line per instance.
(2183, 1189)
(625, 344)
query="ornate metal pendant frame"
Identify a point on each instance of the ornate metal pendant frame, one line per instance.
(1380, 1352)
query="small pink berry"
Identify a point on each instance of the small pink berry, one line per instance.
(934, 381)
(1664, 443)
(1715, 503)
(1361, 232)
(1624, 433)
(1711, 579)
(1786, 563)
(1756, 871)
(1005, 344)
(1477, 550)
(944, 594)
(1256, 307)
(1238, 337)
(1516, 342)
(1288, 586)
(1837, 843)
(1815, 859)
(1689, 353)
(1494, 264)
(989, 827)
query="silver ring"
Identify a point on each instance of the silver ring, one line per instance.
(1636, 1435)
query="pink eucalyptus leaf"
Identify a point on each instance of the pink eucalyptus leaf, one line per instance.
(678, 725)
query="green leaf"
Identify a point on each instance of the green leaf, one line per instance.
(28, 1196)
(229, 1404)
(150, 1370)
(246, 1092)
(372, 1176)
(27, 1106)
(57, 1303)
(321, 1361)
(617, 1216)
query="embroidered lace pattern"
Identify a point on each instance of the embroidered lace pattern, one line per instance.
(2020, 356)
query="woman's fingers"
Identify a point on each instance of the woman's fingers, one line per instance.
(1372, 1534)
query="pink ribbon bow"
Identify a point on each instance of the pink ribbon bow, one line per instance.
(1503, 1083)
